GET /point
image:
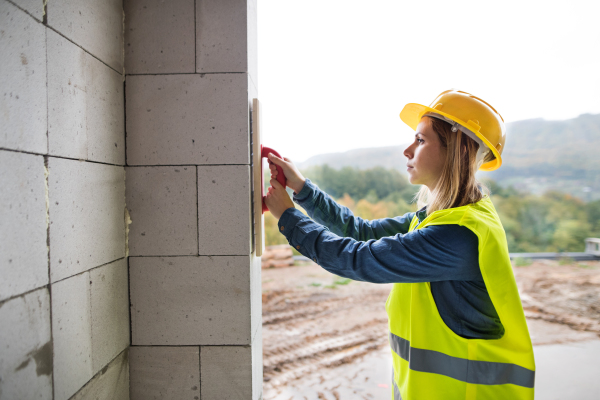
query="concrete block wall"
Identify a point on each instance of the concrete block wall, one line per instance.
(64, 314)
(191, 281)
(194, 280)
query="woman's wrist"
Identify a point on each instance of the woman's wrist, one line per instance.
(299, 186)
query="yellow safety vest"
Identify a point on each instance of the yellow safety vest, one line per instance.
(430, 360)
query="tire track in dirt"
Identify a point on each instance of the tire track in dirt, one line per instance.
(281, 368)
(306, 331)
(279, 356)
(567, 295)
(310, 326)
(315, 308)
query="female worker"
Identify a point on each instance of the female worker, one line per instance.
(457, 328)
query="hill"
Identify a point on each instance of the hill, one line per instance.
(563, 155)
(387, 157)
(540, 155)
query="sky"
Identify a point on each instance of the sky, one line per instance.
(333, 75)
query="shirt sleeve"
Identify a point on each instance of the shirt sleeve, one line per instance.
(341, 221)
(431, 254)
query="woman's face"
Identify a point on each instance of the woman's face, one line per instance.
(426, 156)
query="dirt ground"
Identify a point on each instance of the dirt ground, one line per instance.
(318, 329)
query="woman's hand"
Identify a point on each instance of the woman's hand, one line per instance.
(293, 177)
(277, 199)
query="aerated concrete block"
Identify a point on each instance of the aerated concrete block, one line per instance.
(162, 205)
(87, 206)
(97, 26)
(26, 347)
(159, 36)
(72, 335)
(224, 210)
(33, 7)
(23, 226)
(226, 372)
(86, 115)
(222, 36)
(164, 373)
(105, 114)
(67, 93)
(110, 312)
(187, 119)
(190, 300)
(22, 81)
(111, 383)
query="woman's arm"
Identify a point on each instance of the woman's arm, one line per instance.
(436, 253)
(339, 219)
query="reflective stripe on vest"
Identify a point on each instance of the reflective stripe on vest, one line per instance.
(470, 371)
(396, 389)
(431, 361)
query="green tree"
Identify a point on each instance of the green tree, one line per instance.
(592, 210)
(554, 221)
(359, 183)
(570, 235)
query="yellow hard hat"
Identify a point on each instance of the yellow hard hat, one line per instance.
(467, 113)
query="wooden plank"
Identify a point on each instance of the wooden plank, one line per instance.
(259, 221)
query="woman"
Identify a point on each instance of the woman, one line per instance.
(457, 328)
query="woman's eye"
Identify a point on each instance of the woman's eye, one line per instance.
(420, 141)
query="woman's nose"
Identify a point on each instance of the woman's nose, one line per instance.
(408, 152)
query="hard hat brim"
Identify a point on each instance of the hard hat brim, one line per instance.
(412, 113)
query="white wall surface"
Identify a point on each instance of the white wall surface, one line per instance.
(73, 152)
(64, 317)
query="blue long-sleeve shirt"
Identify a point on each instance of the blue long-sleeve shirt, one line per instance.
(383, 251)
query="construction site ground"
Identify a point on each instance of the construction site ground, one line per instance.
(325, 337)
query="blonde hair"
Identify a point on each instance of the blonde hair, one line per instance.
(457, 185)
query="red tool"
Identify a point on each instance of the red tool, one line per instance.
(264, 152)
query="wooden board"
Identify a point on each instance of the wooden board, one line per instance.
(259, 221)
